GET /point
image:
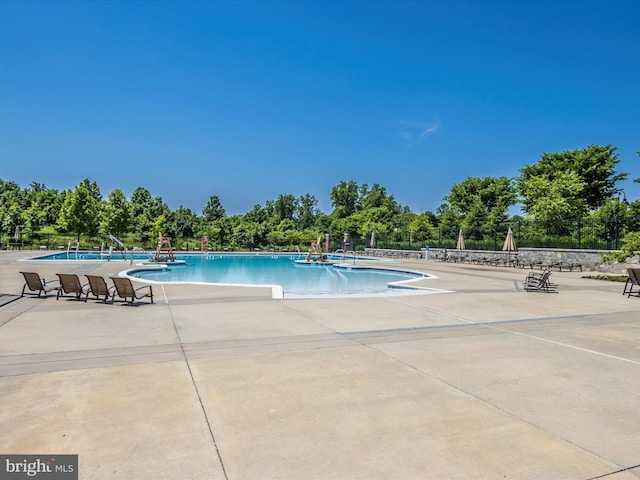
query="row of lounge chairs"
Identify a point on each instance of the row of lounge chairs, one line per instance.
(70, 284)
(495, 260)
(505, 260)
(546, 265)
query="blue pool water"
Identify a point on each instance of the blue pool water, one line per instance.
(294, 278)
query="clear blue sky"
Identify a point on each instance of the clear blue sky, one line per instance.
(250, 99)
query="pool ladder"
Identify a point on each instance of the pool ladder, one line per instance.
(143, 251)
(69, 250)
(345, 254)
(117, 241)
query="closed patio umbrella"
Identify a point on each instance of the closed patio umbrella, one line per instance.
(17, 235)
(460, 244)
(509, 243)
(372, 242)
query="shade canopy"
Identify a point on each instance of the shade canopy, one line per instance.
(460, 244)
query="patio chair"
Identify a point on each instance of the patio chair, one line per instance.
(98, 288)
(634, 279)
(537, 281)
(37, 284)
(70, 284)
(125, 290)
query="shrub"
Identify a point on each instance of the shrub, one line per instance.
(630, 247)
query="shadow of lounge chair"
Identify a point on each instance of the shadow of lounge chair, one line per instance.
(126, 290)
(98, 288)
(36, 284)
(71, 285)
(634, 279)
(537, 281)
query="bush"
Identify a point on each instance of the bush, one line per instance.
(630, 246)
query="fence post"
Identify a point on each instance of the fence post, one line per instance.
(579, 231)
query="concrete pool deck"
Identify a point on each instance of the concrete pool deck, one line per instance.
(485, 382)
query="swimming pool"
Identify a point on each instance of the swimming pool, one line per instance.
(283, 272)
(291, 279)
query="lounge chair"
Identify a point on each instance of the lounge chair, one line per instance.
(37, 284)
(71, 285)
(98, 288)
(634, 279)
(537, 281)
(126, 290)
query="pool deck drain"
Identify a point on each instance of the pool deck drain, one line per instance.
(228, 383)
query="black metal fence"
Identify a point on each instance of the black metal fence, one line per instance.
(581, 233)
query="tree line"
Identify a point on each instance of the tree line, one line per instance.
(565, 185)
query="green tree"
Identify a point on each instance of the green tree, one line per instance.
(116, 214)
(555, 198)
(482, 201)
(421, 226)
(42, 207)
(613, 207)
(345, 199)
(613, 219)
(10, 192)
(594, 166)
(249, 234)
(307, 211)
(161, 224)
(11, 206)
(376, 197)
(213, 210)
(257, 214)
(79, 213)
(145, 212)
(93, 188)
(374, 219)
(285, 234)
(285, 207)
(218, 232)
(184, 222)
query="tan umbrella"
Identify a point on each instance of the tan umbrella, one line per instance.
(17, 235)
(372, 242)
(460, 244)
(509, 242)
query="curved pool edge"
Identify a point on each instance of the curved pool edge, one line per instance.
(276, 290)
(398, 288)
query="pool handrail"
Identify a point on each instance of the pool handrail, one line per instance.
(352, 252)
(142, 250)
